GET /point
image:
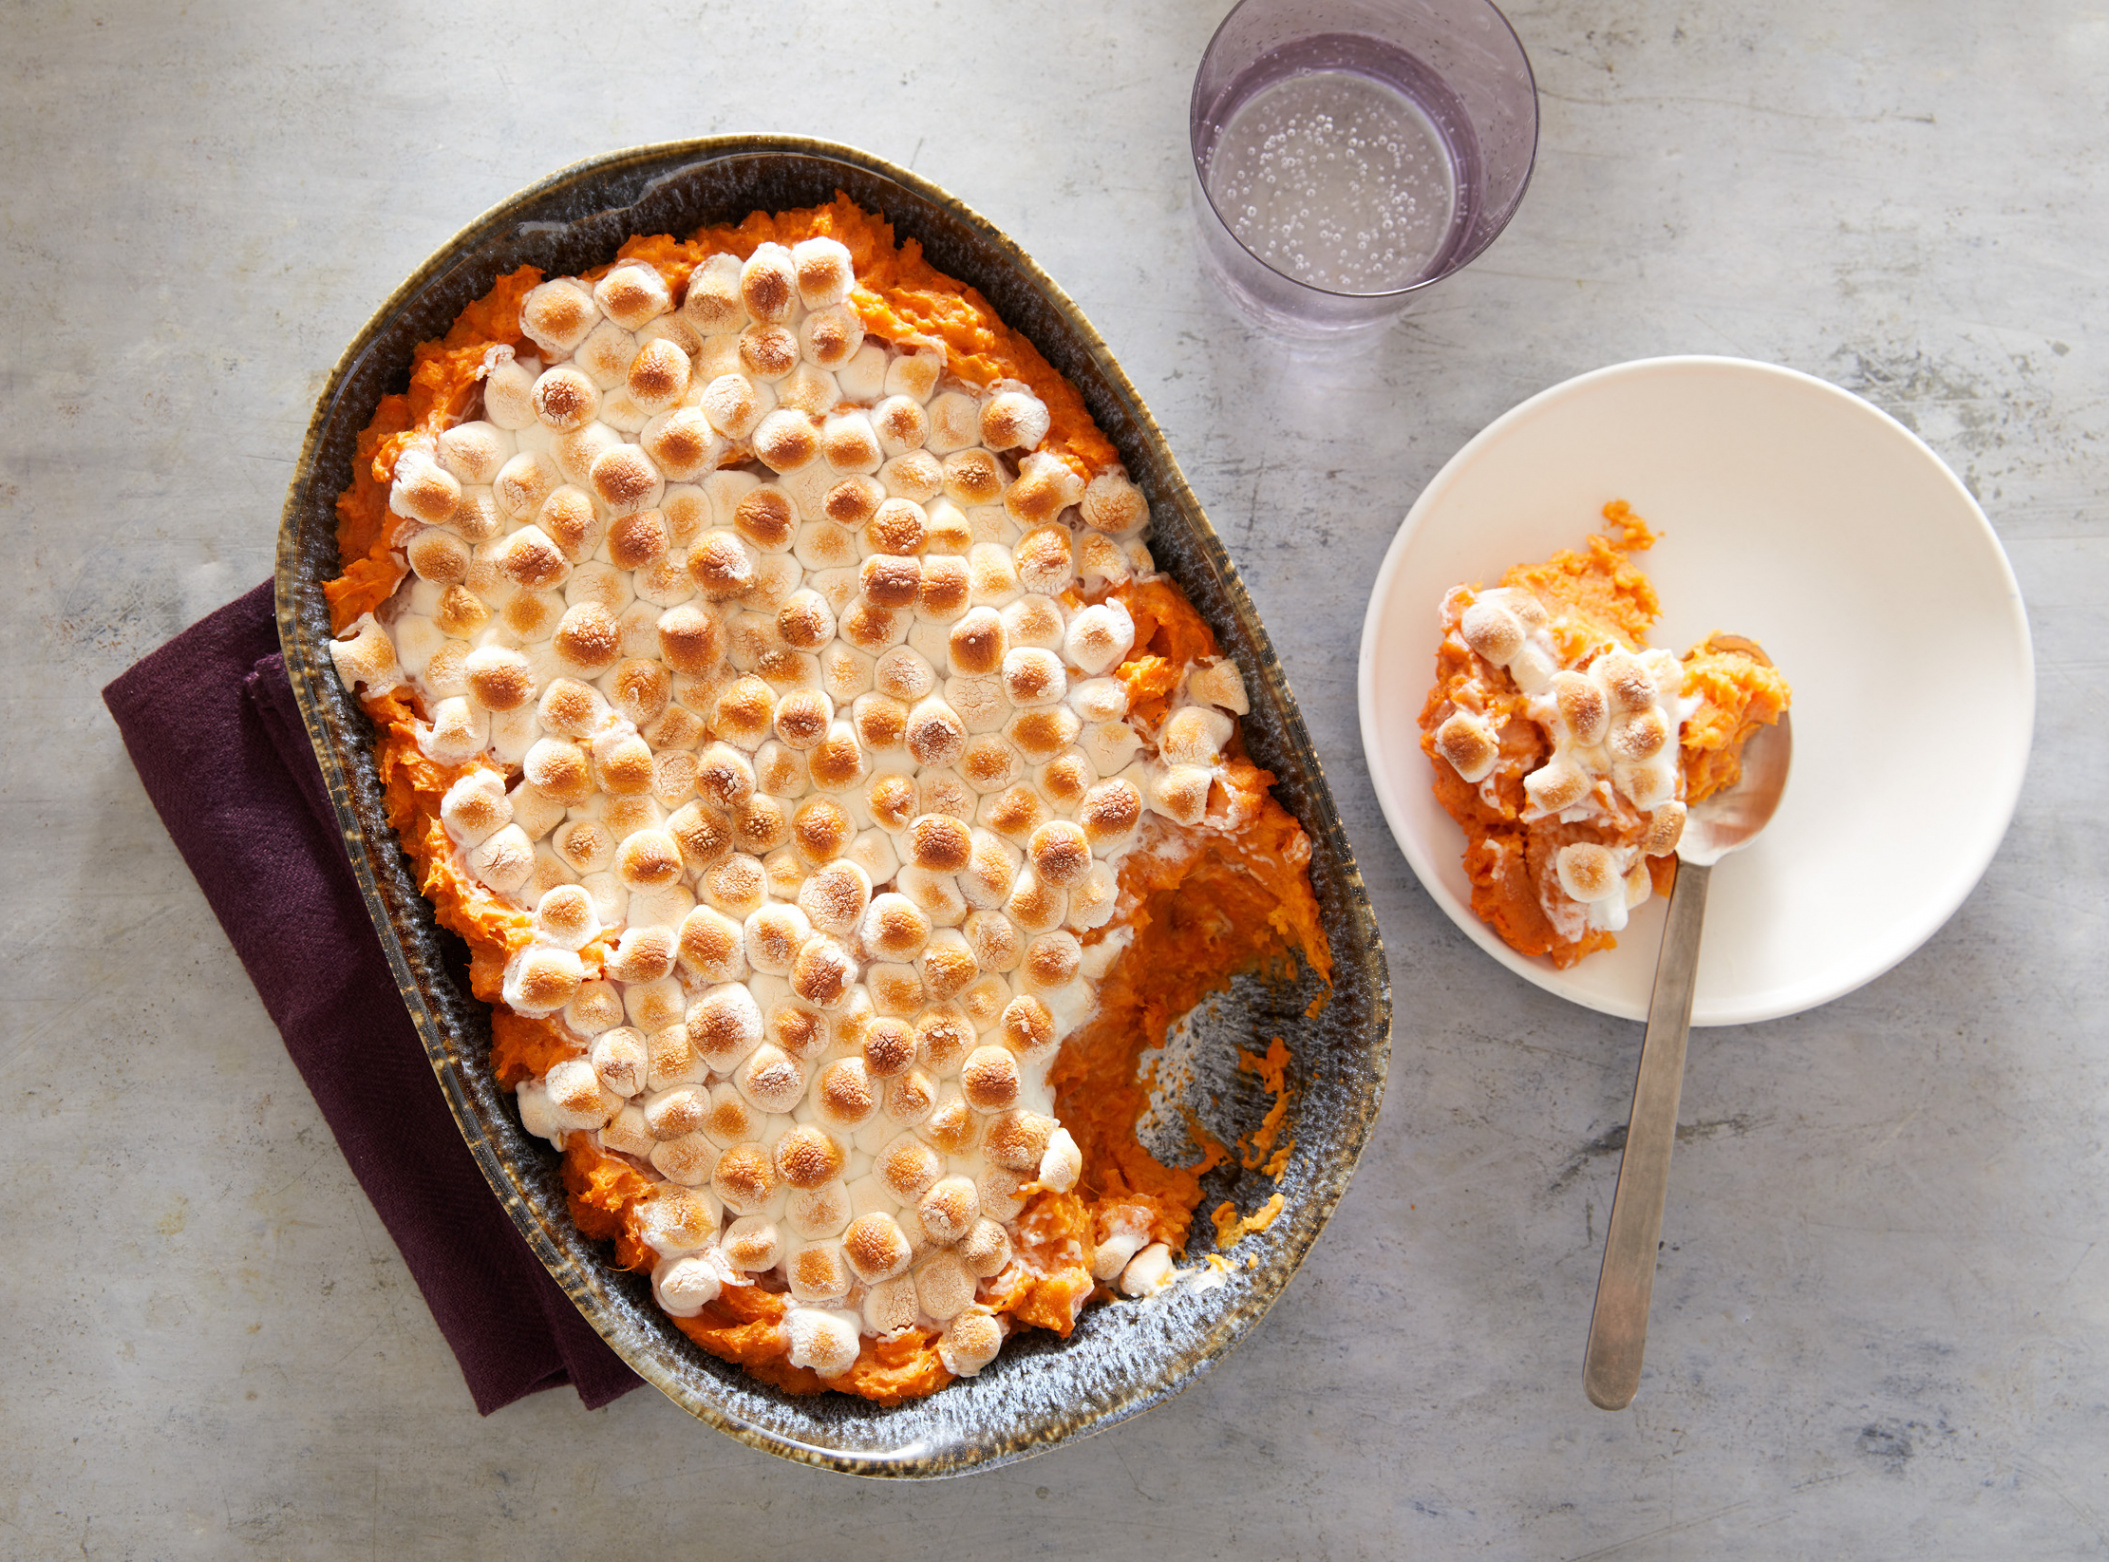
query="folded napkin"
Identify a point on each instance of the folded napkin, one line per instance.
(211, 725)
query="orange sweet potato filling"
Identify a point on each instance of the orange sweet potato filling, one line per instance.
(1599, 592)
(1209, 905)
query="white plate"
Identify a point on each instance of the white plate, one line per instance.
(1792, 512)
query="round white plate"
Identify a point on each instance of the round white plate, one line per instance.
(1792, 512)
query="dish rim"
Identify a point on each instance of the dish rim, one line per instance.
(305, 666)
(1781, 1002)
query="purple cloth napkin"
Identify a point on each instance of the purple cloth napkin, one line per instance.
(211, 725)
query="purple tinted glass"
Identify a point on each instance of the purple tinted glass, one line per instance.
(1465, 80)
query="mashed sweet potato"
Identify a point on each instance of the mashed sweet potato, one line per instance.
(1596, 602)
(1197, 906)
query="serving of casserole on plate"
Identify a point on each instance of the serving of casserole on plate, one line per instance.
(813, 692)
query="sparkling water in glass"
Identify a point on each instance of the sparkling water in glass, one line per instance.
(1349, 153)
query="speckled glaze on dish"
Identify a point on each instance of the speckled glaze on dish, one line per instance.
(1123, 1358)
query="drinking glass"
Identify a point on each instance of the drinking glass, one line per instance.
(1350, 154)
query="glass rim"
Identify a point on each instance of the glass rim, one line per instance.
(1457, 264)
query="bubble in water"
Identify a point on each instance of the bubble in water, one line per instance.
(1344, 155)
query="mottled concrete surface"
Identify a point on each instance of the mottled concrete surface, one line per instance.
(1880, 1327)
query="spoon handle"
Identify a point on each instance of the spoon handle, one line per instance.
(1618, 1330)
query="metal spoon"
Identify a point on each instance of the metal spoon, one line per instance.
(1725, 822)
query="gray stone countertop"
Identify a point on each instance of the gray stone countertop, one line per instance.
(1882, 1318)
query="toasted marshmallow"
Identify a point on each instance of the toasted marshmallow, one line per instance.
(876, 1247)
(1094, 898)
(829, 337)
(1648, 785)
(1585, 713)
(1589, 872)
(1033, 677)
(633, 294)
(524, 482)
(459, 732)
(702, 831)
(724, 1026)
(907, 1167)
(844, 1095)
(498, 677)
(1114, 505)
(594, 1008)
(606, 355)
(915, 476)
(565, 917)
(1639, 737)
(557, 315)
(678, 1220)
(1028, 1029)
(682, 443)
(989, 1079)
(863, 377)
(542, 980)
(658, 377)
(684, 1286)
(1060, 853)
(1014, 419)
(1627, 681)
(1061, 1163)
(824, 1341)
(711, 946)
(648, 859)
(1015, 1140)
(744, 1179)
(1045, 487)
(1490, 629)
(1147, 1271)
(1109, 815)
(1180, 792)
(1098, 639)
(902, 424)
(1665, 829)
(769, 283)
(565, 399)
(366, 661)
(475, 807)
(507, 390)
(817, 1272)
(1194, 735)
(712, 305)
(1532, 667)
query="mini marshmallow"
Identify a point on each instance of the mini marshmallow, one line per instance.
(1044, 488)
(1114, 505)
(1648, 785)
(1097, 640)
(542, 980)
(1492, 630)
(1194, 735)
(632, 294)
(605, 355)
(1180, 792)
(366, 660)
(744, 1179)
(824, 1341)
(557, 315)
(565, 917)
(459, 732)
(1584, 710)
(769, 283)
(684, 1286)
(508, 390)
(1665, 829)
(1014, 419)
(1147, 1271)
(1588, 872)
